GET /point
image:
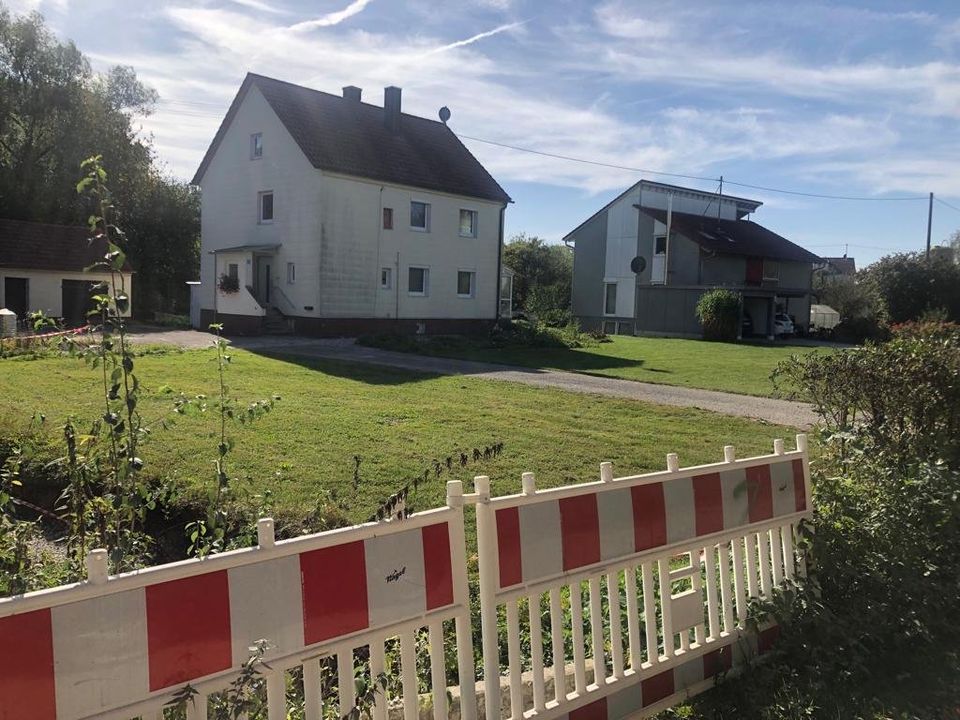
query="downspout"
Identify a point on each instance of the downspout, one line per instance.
(396, 287)
(503, 212)
(636, 276)
(666, 250)
(376, 282)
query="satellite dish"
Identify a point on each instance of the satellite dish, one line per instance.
(444, 114)
(638, 264)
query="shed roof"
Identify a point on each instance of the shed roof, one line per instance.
(733, 237)
(42, 246)
(351, 138)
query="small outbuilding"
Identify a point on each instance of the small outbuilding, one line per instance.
(43, 268)
(823, 317)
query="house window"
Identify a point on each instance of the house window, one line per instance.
(420, 216)
(418, 281)
(771, 271)
(291, 273)
(233, 271)
(256, 146)
(468, 223)
(609, 298)
(388, 218)
(386, 278)
(265, 203)
(466, 283)
(660, 245)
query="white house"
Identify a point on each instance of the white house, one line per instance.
(326, 215)
(43, 268)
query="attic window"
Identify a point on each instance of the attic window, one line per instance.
(256, 146)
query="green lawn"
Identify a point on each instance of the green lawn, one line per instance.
(396, 421)
(731, 367)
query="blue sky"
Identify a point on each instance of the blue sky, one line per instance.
(850, 99)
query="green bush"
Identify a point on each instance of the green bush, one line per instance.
(872, 631)
(901, 398)
(719, 313)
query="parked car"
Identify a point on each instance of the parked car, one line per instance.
(782, 325)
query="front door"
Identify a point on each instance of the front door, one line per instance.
(262, 281)
(15, 295)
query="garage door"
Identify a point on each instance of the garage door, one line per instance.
(76, 301)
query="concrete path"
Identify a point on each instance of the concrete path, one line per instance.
(779, 412)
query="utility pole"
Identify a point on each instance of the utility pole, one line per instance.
(719, 197)
(929, 225)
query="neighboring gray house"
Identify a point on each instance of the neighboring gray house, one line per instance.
(710, 245)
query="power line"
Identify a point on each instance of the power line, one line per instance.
(647, 171)
(590, 162)
(944, 202)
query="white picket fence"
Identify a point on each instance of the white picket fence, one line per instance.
(620, 597)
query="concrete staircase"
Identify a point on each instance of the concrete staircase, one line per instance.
(276, 323)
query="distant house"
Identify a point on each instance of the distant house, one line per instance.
(631, 277)
(331, 216)
(836, 267)
(42, 267)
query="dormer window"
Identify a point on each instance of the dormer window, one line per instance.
(256, 146)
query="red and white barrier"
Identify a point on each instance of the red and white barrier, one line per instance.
(682, 550)
(80, 651)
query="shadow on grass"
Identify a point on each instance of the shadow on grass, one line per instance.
(582, 361)
(357, 371)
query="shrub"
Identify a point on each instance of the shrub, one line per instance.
(719, 313)
(901, 398)
(871, 632)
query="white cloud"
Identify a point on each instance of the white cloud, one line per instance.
(621, 21)
(334, 18)
(258, 5)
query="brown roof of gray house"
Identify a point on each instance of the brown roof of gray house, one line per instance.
(733, 237)
(41, 246)
(842, 265)
(350, 137)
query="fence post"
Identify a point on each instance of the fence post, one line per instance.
(487, 552)
(606, 471)
(265, 533)
(673, 462)
(729, 453)
(465, 669)
(97, 566)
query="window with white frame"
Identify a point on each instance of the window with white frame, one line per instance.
(419, 216)
(386, 278)
(609, 298)
(771, 271)
(418, 281)
(468, 223)
(256, 146)
(466, 283)
(265, 207)
(291, 273)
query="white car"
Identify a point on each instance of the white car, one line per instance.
(782, 324)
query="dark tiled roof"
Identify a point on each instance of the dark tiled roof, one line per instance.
(733, 237)
(38, 246)
(350, 137)
(842, 265)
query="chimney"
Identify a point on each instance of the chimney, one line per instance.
(391, 108)
(351, 92)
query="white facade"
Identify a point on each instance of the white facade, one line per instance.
(45, 287)
(326, 245)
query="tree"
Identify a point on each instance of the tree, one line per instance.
(55, 112)
(543, 277)
(908, 286)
